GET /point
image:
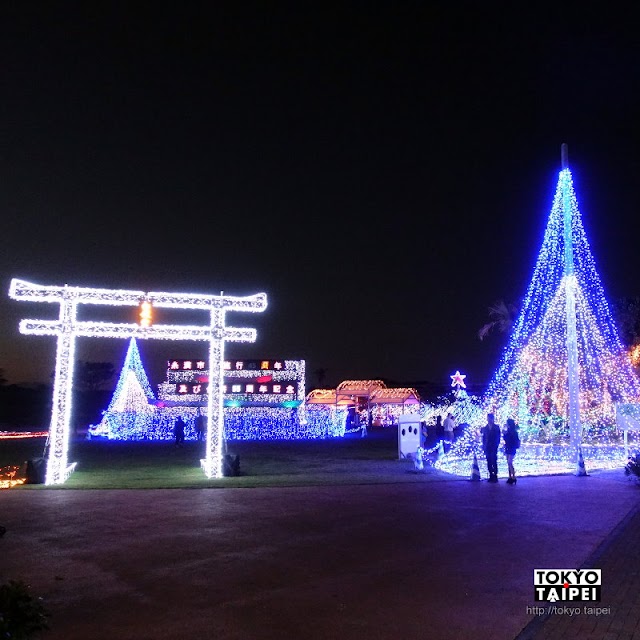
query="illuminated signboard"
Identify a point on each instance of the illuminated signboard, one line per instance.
(265, 381)
(228, 365)
(245, 388)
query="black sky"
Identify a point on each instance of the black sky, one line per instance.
(384, 174)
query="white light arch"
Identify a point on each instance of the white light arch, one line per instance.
(67, 328)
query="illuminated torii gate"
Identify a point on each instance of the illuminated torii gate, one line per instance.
(67, 328)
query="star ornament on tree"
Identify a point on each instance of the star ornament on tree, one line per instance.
(457, 380)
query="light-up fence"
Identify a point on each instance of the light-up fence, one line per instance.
(68, 327)
(155, 423)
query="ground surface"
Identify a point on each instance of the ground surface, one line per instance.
(441, 558)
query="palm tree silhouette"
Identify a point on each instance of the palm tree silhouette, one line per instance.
(503, 316)
(321, 374)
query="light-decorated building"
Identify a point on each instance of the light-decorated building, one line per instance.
(355, 405)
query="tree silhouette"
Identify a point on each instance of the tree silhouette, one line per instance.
(321, 374)
(93, 376)
(627, 314)
(502, 315)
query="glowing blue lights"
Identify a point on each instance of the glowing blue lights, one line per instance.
(133, 413)
(531, 383)
(240, 423)
(564, 369)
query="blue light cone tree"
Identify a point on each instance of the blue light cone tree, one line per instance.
(564, 366)
(133, 390)
(130, 413)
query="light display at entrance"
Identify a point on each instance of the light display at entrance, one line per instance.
(68, 327)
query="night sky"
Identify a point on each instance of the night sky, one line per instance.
(384, 174)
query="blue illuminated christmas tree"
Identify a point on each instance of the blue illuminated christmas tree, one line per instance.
(131, 410)
(564, 367)
(133, 390)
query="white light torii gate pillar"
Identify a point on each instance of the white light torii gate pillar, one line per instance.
(67, 328)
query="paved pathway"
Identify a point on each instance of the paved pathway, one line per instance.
(619, 558)
(444, 559)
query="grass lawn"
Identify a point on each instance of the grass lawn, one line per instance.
(147, 465)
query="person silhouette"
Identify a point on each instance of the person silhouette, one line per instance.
(199, 425)
(439, 428)
(490, 442)
(178, 431)
(448, 426)
(511, 446)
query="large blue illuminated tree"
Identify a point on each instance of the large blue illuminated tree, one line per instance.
(564, 366)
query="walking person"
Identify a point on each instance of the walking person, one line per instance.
(491, 437)
(511, 445)
(448, 426)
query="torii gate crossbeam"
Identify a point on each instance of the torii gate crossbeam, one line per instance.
(67, 328)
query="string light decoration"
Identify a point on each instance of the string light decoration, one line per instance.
(19, 435)
(9, 477)
(564, 369)
(132, 384)
(130, 410)
(134, 414)
(277, 423)
(634, 354)
(67, 328)
(326, 421)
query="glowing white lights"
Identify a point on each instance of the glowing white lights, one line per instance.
(67, 328)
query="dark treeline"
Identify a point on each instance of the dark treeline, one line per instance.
(30, 406)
